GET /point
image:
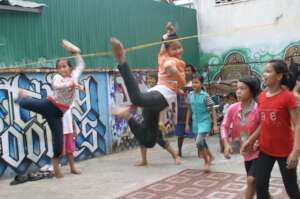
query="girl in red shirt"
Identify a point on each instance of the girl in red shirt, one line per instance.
(277, 141)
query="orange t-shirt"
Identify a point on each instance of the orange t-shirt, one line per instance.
(173, 82)
(276, 135)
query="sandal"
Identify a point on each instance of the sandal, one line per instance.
(19, 179)
(35, 176)
(48, 174)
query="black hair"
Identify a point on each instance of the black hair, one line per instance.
(253, 83)
(232, 94)
(191, 67)
(280, 67)
(68, 62)
(153, 75)
(198, 77)
(168, 41)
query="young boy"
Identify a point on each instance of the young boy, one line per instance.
(200, 105)
(182, 107)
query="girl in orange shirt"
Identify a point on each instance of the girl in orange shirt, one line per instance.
(171, 78)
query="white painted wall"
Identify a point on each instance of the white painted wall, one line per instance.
(185, 3)
(268, 23)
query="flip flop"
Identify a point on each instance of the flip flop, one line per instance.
(19, 179)
(48, 174)
(35, 176)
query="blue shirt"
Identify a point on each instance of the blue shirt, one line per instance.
(199, 103)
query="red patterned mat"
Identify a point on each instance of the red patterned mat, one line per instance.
(195, 184)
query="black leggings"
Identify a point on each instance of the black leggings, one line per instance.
(53, 116)
(152, 102)
(264, 166)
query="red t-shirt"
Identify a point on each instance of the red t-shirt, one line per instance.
(276, 136)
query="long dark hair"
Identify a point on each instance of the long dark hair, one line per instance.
(191, 67)
(68, 62)
(280, 67)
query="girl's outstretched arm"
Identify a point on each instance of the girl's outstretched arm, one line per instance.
(80, 65)
(225, 129)
(171, 30)
(292, 161)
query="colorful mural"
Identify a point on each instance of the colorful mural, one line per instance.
(25, 137)
(224, 67)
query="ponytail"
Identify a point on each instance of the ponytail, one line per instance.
(280, 67)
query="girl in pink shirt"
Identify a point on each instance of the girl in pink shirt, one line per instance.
(244, 118)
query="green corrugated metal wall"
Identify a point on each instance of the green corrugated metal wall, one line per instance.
(27, 37)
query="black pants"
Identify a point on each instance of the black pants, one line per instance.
(250, 167)
(53, 116)
(153, 102)
(264, 166)
(160, 140)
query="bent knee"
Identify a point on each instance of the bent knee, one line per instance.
(149, 144)
(250, 180)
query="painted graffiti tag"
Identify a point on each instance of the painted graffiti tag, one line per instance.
(25, 136)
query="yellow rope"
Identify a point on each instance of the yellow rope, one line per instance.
(102, 54)
(147, 45)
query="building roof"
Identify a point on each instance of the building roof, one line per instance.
(21, 6)
(22, 3)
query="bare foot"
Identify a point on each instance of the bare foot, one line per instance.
(76, 171)
(56, 168)
(58, 173)
(206, 168)
(179, 154)
(178, 160)
(70, 47)
(141, 163)
(22, 93)
(123, 112)
(211, 159)
(118, 50)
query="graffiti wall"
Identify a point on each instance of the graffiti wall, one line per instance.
(26, 140)
(25, 137)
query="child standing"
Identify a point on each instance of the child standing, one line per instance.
(52, 108)
(69, 140)
(182, 107)
(277, 141)
(243, 118)
(199, 106)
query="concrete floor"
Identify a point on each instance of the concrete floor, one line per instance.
(115, 175)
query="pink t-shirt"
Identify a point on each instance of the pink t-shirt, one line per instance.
(239, 130)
